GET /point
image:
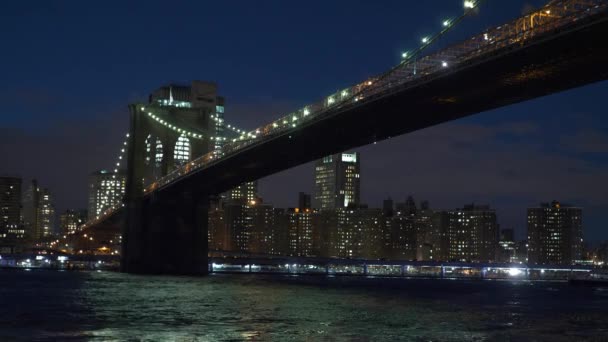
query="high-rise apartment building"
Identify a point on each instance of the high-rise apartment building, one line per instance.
(300, 232)
(106, 190)
(261, 236)
(555, 234)
(473, 233)
(11, 226)
(337, 181)
(247, 192)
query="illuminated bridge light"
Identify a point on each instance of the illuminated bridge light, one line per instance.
(444, 64)
(425, 40)
(403, 55)
(469, 4)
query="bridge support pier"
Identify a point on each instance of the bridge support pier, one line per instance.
(166, 234)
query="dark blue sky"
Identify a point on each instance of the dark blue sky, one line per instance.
(70, 68)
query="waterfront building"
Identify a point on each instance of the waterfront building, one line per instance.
(281, 222)
(11, 227)
(473, 234)
(237, 220)
(353, 232)
(402, 237)
(300, 232)
(106, 190)
(261, 237)
(337, 181)
(38, 212)
(555, 234)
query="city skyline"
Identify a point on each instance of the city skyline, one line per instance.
(514, 156)
(304, 170)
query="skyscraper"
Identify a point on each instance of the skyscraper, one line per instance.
(38, 212)
(304, 201)
(473, 233)
(555, 234)
(10, 209)
(106, 189)
(337, 181)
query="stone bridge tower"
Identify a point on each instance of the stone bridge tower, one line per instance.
(167, 233)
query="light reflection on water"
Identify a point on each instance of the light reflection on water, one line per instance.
(73, 306)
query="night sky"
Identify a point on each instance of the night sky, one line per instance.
(69, 69)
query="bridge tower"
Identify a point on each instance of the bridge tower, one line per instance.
(166, 232)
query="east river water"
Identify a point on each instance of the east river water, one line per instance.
(42, 305)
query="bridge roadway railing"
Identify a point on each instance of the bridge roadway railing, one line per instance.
(550, 19)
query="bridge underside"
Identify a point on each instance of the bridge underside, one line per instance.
(167, 230)
(558, 63)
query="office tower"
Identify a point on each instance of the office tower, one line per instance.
(473, 233)
(388, 207)
(407, 208)
(38, 212)
(304, 201)
(337, 182)
(555, 234)
(11, 227)
(106, 190)
(71, 220)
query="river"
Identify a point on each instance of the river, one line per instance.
(42, 305)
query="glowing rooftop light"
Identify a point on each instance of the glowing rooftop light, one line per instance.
(306, 111)
(444, 64)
